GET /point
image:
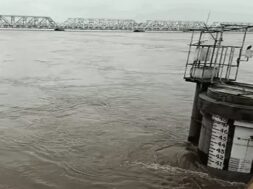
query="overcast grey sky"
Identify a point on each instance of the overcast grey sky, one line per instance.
(59, 10)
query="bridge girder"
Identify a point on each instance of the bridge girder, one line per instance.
(43, 22)
(117, 24)
(103, 24)
(38, 22)
(169, 25)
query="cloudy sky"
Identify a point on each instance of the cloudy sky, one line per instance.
(60, 10)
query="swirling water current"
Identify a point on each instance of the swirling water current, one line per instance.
(98, 110)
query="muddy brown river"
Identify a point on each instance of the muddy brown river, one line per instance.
(98, 110)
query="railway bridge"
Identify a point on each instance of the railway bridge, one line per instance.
(45, 22)
(128, 24)
(35, 22)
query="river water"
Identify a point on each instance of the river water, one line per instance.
(98, 110)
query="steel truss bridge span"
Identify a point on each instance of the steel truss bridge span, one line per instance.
(99, 24)
(170, 25)
(45, 22)
(128, 24)
(36, 22)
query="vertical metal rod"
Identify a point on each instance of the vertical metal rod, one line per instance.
(221, 56)
(189, 52)
(195, 64)
(215, 43)
(240, 53)
(219, 46)
(229, 63)
(224, 60)
(217, 53)
(204, 66)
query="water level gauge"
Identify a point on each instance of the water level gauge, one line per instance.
(218, 142)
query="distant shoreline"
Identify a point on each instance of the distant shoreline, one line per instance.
(78, 30)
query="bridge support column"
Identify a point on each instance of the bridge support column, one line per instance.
(196, 117)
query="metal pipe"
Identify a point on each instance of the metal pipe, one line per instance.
(215, 43)
(204, 66)
(221, 56)
(217, 54)
(231, 62)
(195, 64)
(240, 53)
(224, 60)
(189, 52)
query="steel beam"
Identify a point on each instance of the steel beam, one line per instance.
(36, 22)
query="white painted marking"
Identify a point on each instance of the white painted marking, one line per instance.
(218, 142)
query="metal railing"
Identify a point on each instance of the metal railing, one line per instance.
(210, 60)
(209, 63)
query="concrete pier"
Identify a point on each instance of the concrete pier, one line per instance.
(226, 137)
(222, 115)
(196, 118)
